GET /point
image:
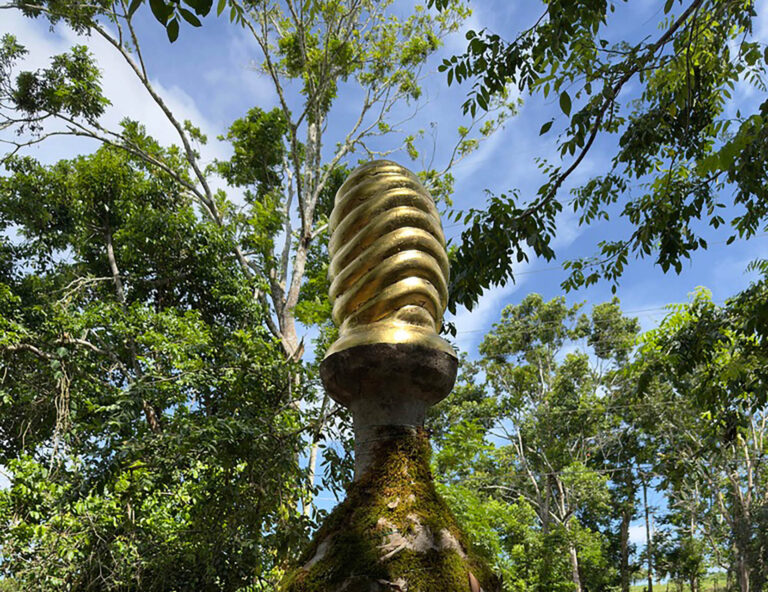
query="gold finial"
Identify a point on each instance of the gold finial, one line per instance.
(389, 267)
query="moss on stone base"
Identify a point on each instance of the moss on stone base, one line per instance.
(392, 533)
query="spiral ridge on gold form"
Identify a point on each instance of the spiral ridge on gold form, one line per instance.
(389, 268)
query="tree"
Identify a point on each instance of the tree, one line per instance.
(465, 465)
(683, 163)
(145, 422)
(550, 419)
(710, 362)
(679, 410)
(135, 288)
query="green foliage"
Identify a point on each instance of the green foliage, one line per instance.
(79, 16)
(503, 530)
(677, 143)
(727, 342)
(284, 175)
(70, 87)
(258, 143)
(145, 419)
(152, 410)
(468, 402)
(706, 363)
(545, 452)
(313, 307)
(682, 559)
(169, 13)
(523, 446)
(499, 234)
(154, 413)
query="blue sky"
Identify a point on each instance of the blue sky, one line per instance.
(208, 76)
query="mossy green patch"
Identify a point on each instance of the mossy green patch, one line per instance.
(392, 530)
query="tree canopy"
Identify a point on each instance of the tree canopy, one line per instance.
(143, 400)
(683, 160)
(550, 443)
(159, 426)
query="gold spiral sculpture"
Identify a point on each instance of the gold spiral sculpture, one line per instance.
(389, 267)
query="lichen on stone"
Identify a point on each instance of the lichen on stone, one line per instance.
(393, 533)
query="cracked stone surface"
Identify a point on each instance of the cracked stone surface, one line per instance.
(419, 539)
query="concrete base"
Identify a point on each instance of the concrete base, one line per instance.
(386, 385)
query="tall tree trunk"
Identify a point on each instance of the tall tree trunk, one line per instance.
(761, 569)
(695, 576)
(313, 450)
(566, 522)
(742, 542)
(626, 516)
(574, 566)
(648, 540)
(312, 465)
(743, 573)
(546, 560)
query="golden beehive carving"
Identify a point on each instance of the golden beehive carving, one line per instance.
(389, 267)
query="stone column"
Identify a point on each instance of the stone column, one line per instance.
(389, 288)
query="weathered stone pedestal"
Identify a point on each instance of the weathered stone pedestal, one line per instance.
(393, 532)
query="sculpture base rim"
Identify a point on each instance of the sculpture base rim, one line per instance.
(404, 371)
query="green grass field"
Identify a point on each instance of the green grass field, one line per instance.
(711, 583)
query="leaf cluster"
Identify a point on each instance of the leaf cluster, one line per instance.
(147, 424)
(683, 164)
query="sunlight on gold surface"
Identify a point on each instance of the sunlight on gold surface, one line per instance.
(389, 268)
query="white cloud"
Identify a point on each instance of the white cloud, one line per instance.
(456, 43)
(568, 229)
(489, 148)
(637, 534)
(729, 271)
(240, 75)
(129, 98)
